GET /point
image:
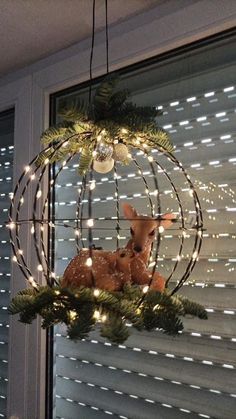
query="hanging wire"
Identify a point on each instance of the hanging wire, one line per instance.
(91, 54)
(107, 42)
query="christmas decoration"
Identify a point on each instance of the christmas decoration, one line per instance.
(104, 166)
(103, 152)
(120, 286)
(121, 152)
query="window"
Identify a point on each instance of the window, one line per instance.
(6, 172)
(153, 375)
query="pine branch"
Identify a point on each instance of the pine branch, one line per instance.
(103, 96)
(117, 100)
(115, 329)
(77, 307)
(53, 134)
(195, 309)
(75, 111)
(82, 325)
(85, 160)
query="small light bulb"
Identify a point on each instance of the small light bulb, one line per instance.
(32, 282)
(150, 158)
(32, 230)
(124, 131)
(20, 251)
(89, 262)
(46, 161)
(104, 317)
(77, 233)
(190, 192)
(11, 225)
(32, 177)
(92, 185)
(72, 314)
(14, 258)
(39, 194)
(90, 223)
(27, 169)
(145, 289)
(161, 229)
(96, 314)
(40, 268)
(195, 254)
(96, 292)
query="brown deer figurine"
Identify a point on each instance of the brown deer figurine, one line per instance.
(111, 270)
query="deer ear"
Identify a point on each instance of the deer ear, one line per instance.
(129, 211)
(168, 220)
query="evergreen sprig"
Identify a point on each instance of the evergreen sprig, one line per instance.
(109, 114)
(80, 309)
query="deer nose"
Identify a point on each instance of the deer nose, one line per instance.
(137, 249)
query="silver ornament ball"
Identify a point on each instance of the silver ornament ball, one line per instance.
(103, 152)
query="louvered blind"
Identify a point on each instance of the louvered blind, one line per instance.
(152, 375)
(6, 170)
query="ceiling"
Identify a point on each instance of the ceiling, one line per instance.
(34, 29)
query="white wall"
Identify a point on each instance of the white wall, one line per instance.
(171, 25)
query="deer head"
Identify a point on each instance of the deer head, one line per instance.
(143, 228)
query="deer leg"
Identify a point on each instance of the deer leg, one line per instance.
(158, 282)
(141, 276)
(112, 281)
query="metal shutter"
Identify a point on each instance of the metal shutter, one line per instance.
(154, 376)
(6, 171)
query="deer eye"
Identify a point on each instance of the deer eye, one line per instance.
(131, 231)
(152, 233)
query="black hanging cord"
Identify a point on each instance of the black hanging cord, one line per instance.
(91, 54)
(107, 44)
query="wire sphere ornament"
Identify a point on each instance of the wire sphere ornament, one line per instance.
(32, 184)
(108, 136)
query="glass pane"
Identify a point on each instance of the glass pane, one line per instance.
(196, 93)
(6, 173)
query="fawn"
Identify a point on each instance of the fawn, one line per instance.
(111, 270)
